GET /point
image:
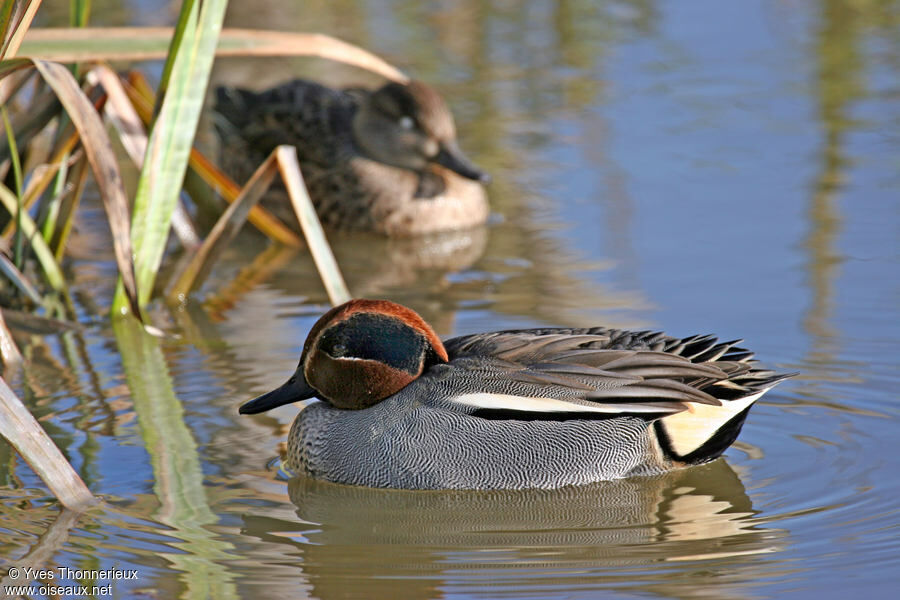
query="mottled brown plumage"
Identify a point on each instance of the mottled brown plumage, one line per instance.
(384, 160)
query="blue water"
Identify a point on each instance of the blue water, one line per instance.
(701, 167)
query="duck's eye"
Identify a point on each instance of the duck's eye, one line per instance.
(406, 122)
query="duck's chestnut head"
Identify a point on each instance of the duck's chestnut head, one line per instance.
(358, 354)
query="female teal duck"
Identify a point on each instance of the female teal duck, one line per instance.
(532, 408)
(384, 160)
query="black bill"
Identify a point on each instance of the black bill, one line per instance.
(294, 390)
(452, 158)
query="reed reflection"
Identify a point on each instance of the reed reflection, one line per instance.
(840, 83)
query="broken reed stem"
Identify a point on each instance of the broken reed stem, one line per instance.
(283, 160)
(140, 95)
(9, 351)
(312, 228)
(227, 226)
(26, 435)
(150, 43)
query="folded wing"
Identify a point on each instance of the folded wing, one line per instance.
(696, 389)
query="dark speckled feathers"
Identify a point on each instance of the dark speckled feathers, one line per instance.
(383, 160)
(692, 369)
(296, 113)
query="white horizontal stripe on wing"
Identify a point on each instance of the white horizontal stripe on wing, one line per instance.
(528, 403)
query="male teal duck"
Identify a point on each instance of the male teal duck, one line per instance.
(384, 160)
(531, 408)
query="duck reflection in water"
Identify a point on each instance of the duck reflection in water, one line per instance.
(384, 543)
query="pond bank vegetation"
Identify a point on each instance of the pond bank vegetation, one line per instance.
(68, 116)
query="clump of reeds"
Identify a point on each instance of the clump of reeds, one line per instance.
(55, 124)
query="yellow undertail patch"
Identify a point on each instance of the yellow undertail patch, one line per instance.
(689, 430)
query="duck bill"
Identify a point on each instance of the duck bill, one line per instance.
(294, 390)
(451, 157)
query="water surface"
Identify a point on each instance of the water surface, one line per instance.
(694, 167)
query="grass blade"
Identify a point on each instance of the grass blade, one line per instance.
(121, 113)
(250, 42)
(18, 279)
(262, 219)
(41, 250)
(119, 110)
(24, 432)
(67, 206)
(187, 20)
(11, 42)
(79, 12)
(103, 162)
(18, 258)
(170, 146)
(42, 108)
(60, 189)
(13, 150)
(62, 154)
(146, 43)
(11, 65)
(6, 22)
(139, 93)
(40, 179)
(9, 351)
(312, 228)
(10, 87)
(224, 231)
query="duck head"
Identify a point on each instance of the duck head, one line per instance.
(356, 355)
(409, 126)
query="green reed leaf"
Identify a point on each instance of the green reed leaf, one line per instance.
(170, 144)
(30, 231)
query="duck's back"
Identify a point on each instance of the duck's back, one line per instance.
(311, 117)
(317, 121)
(694, 392)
